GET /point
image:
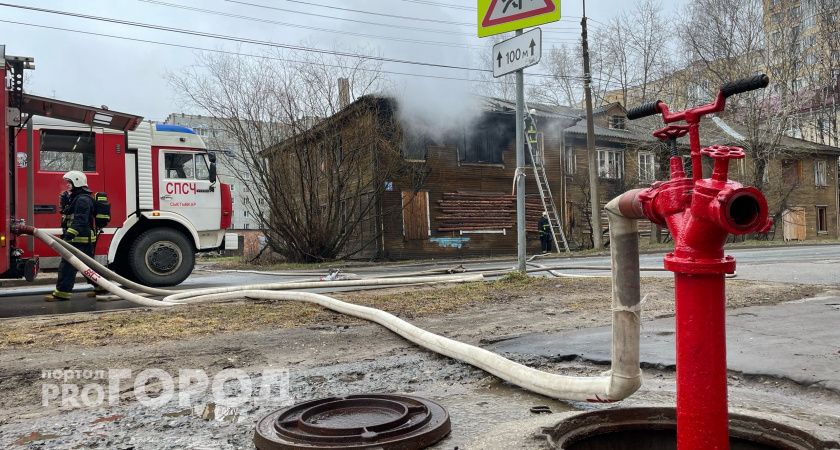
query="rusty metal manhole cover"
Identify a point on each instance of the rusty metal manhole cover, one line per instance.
(356, 421)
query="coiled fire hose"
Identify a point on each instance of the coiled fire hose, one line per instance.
(623, 379)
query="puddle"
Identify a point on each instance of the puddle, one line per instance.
(35, 436)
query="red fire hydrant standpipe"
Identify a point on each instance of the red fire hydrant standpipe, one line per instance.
(700, 213)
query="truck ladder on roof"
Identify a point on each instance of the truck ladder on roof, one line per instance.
(537, 162)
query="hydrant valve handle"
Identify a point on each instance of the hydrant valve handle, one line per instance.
(670, 132)
(723, 152)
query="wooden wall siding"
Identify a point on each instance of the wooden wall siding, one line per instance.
(415, 212)
(364, 242)
(475, 211)
(447, 176)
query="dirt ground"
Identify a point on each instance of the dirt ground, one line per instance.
(327, 354)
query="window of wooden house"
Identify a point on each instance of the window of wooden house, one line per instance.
(647, 166)
(415, 213)
(822, 219)
(618, 122)
(569, 159)
(792, 171)
(486, 143)
(820, 173)
(62, 151)
(482, 148)
(414, 146)
(610, 164)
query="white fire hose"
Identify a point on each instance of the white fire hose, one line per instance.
(622, 380)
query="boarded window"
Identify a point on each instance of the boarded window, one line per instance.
(793, 221)
(415, 215)
(62, 151)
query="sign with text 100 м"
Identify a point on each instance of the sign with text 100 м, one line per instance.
(517, 52)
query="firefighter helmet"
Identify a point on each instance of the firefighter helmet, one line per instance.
(76, 178)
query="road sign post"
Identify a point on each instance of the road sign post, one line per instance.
(521, 242)
(524, 50)
(514, 55)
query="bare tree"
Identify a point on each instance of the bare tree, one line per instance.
(634, 53)
(726, 41)
(322, 183)
(565, 86)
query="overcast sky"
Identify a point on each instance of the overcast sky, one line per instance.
(129, 76)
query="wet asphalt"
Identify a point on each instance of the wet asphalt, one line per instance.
(812, 264)
(796, 340)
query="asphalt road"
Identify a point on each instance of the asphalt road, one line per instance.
(800, 264)
(795, 340)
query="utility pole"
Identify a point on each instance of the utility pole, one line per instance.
(594, 204)
(520, 168)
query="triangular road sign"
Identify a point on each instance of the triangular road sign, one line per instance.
(504, 11)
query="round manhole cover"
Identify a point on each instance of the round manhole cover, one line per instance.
(356, 421)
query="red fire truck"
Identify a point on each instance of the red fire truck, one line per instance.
(166, 200)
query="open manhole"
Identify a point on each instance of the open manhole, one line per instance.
(356, 421)
(654, 428)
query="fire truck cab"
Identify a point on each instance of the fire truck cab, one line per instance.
(167, 202)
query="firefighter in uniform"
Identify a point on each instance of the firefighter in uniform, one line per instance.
(545, 233)
(77, 210)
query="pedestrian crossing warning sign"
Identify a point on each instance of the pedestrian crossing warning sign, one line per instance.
(501, 16)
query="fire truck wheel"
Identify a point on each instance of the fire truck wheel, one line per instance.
(161, 257)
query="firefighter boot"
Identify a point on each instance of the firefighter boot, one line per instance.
(57, 296)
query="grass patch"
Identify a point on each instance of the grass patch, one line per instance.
(150, 325)
(586, 296)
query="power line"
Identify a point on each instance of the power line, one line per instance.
(395, 16)
(252, 41)
(347, 19)
(306, 27)
(248, 55)
(239, 39)
(445, 5)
